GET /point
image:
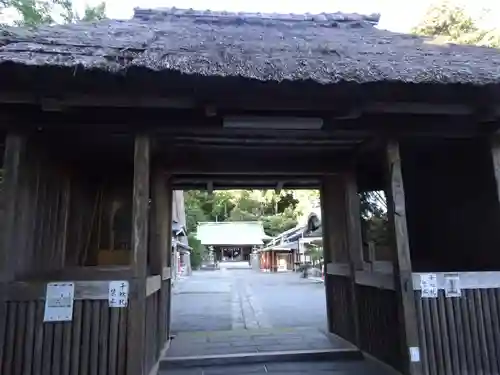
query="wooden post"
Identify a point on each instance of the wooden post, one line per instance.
(354, 242)
(140, 203)
(162, 214)
(403, 271)
(326, 208)
(353, 212)
(335, 240)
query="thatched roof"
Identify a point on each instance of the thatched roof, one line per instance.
(325, 48)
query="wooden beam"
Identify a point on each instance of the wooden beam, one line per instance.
(70, 100)
(196, 161)
(403, 269)
(33, 291)
(140, 202)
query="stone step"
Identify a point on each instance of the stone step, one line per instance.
(261, 357)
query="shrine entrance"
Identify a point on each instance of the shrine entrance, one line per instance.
(102, 121)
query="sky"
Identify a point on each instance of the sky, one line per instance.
(396, 15)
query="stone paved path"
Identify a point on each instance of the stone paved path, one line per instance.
(245, 299)
(229, 311)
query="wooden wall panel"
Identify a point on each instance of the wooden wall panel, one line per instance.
(460, 336)
(379, 331)
(93, 343)
(339, 291)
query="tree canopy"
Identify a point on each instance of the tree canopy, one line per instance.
(449, 22)
(47, 12)
(278, 212)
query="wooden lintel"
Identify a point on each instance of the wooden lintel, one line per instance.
(122, 101)
(196, 162)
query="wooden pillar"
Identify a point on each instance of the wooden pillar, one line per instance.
(326, 208)
(140, 215)
(353, 212)
(162, 242)
(354, 242)
(402, 267)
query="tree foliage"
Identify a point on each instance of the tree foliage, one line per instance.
(197, 252)
(449, 22)
(48, 12)
(277, 212)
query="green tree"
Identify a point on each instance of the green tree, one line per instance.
(278, 212)
(41, 12)
(197, 252)
(448, 22)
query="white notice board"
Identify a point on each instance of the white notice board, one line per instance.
(428, 285)
(59, 301)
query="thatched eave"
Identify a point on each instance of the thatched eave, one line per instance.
(325, 49)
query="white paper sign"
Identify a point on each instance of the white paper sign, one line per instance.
(452, 285)
(414, 354)
(118, 294)
(428, 285)
(59, 300)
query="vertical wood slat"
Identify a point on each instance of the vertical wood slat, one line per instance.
(94, 338)
(76, 343)
(104, 332)
(37, 360)
(85, 339)
(48, 337)
(57, 348)
(462, 335)
(122, 341)
(30, 338)
(10, 338)
(3, 328)
(66, 344)
(113, 341)
(20, 337)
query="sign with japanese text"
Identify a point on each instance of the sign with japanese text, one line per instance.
(118, 293)
(428, 285)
